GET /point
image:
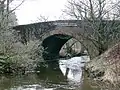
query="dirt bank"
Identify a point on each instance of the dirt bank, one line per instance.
(106, 67)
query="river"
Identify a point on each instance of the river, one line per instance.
(47, 80)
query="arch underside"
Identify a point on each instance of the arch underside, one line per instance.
(53, 44)
(55, 39)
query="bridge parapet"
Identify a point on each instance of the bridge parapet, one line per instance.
(35, 30)
(66, 23)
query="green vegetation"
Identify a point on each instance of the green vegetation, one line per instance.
(18, 58)
(15, 57)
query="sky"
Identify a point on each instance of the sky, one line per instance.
(32, 10)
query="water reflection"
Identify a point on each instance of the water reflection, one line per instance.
(72, 68)
(51, 80)
(48, 80)
(31, 87)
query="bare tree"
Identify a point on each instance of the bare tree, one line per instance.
(7, 14)
(101, 17)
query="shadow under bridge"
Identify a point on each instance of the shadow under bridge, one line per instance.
(53, 44)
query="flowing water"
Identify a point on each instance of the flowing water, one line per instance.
(48, 80)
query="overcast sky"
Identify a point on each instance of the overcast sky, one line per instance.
(30, 10)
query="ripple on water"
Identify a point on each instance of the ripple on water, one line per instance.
(39, 87)
(31, 87)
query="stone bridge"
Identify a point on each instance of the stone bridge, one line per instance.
(54, 34)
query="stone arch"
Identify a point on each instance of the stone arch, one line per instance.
(52, 45)
(35, 32)
(51, 41)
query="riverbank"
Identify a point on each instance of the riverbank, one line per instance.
(106, 67)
